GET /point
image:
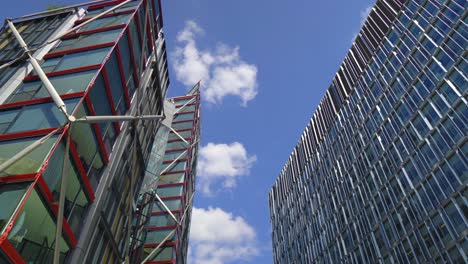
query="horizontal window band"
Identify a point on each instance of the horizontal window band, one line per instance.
(40, 100)
(76, 50)
(63, 72)
(97, 30)
(26, 134)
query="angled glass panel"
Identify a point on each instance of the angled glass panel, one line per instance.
(115, 82)
(64, 84)
(32, 162)
(162, 220)
(170, 191)
(87, 146)
(89, 40)
(10, 197)
(39, 116)
(185, 134)
(181, 117)
(107, 22)
(76, 201)
(163, 253)
(175, 154)
(157, 236)
(173, 204)
(33, 233)
(125, 57)
(172, 178)
(182, 125)
(79, 59)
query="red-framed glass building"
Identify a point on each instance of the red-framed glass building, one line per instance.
(169, 184)
(113, 64)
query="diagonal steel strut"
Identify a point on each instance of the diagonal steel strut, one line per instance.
(45, 80)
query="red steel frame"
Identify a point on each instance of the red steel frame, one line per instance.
(37, 182)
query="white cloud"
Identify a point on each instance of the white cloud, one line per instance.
(218, 237)
(222, 163)
(222, 71)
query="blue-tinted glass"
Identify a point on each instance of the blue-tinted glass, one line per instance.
(40, 116)
(459, 81)
(107, 22)
(125, 56)
(113, 75)
(89, 40)
(136, 44)
(81, 59)
(64, 84)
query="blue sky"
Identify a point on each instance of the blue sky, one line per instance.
(264, 67)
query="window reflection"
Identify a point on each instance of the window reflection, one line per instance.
(88, 148)
(33, 233)
(10, 196)
(32, 162)
(76, 201)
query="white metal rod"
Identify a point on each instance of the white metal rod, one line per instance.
(180, 108)
(177, 134)
(47, 84)
(174, 161)
(158, 247)
(98, 119)
(63, 190)
(166, 208)
(5, 165)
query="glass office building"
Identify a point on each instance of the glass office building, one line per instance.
(379, 175)
(102, 59)
(169, 184)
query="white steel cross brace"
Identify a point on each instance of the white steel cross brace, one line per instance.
(150, 255)
(166, 208)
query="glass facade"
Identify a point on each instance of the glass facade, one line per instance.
(380, 173)
(113, 65)
(169, 185)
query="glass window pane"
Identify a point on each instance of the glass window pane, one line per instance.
(172, 178)
(164, 253)
(184, 134)
(115, 82)
(135, 44)
(170, 191)
(75, 199)
(64, 84)
(174, 204)
(182, 125)
(107, 22)
(163, 220)
(33, 234)
(10, 196)
(40, 116)
(82, 59)
(176, 145)
(88, 148)
(180, 117)
(89, 40)
(125, 56)
(31, 162)
(175, 154)
(158, 236)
